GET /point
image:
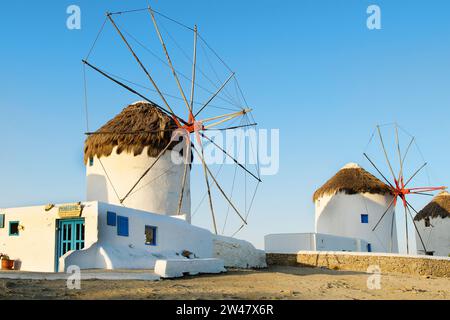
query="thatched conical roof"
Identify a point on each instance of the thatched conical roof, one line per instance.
(438, 207)
(352, 179)
(138, 126)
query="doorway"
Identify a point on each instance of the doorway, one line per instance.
(70, 236)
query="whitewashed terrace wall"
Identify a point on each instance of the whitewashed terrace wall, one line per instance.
(35, 247)
(118, 252)
(295, 242)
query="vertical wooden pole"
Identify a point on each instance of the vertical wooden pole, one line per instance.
(194, 62)
(187, 154)
(168, 58)
(406, 230)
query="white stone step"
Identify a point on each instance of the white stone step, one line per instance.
(174, 268)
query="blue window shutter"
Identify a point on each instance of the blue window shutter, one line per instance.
(122, 226)
(364, 218)
(111, 218)
(369, 247)
(2, 220)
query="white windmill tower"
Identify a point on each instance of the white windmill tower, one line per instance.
(130, 159)
(118, 162)
(433, 225)
(351, 203)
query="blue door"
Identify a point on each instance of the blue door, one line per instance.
(70, 236)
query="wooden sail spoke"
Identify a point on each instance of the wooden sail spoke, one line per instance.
(169, 60)
(385, 212)
(415, 226)
(215, 94)
(232, 158)
(103, 73)
(219, 187)
(376, 168)
(146, 172)
(140, 64)
(385, 152)
(194, 64)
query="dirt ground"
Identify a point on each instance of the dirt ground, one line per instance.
(273, 283)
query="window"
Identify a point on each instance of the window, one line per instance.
(14, 228)
(111, 219)
(2, 220)
(364, 218)
(122, 226)
(427, 222)
(150, 235)
(369, 247)
(91, 161)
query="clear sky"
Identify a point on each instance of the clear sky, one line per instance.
(311, 69)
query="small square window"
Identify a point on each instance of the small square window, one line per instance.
(122, 226)
(14, 228)
(364, 218)
(2, 220)
(150, 235)
(111, 219)
(91, 161)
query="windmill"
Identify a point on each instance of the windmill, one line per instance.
(191, 123)
(399, 182)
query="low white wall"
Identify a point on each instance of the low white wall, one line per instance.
(34, 249)
(174, 268)
(436, 237)
(112, 251)
(238, 253)
(289, 243)
(328, 242)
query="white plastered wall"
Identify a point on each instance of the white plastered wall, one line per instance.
(340, 215)
(112, 251)
(34, 249)
(288, 242)
(238, 253)
(295, 242)
(112, 177)
(35, 246)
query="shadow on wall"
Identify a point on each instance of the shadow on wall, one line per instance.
(108, 257)
(97, 186)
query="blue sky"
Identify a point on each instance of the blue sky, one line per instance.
(309, 68)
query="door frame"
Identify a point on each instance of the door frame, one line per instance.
(58, 236)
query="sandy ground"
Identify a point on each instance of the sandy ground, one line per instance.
(273, 283)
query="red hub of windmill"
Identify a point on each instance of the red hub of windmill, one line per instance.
(401, 191)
